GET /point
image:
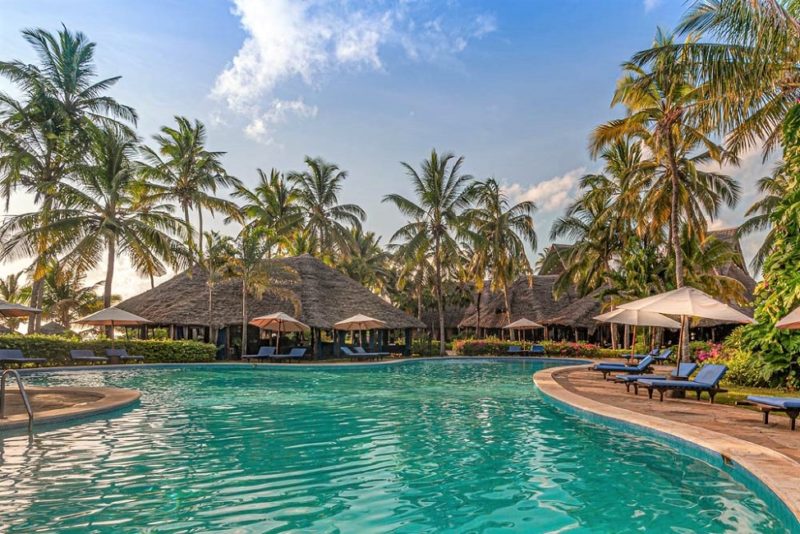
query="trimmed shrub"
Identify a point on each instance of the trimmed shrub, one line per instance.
(425, 347)
(493, 346)
(56, 348)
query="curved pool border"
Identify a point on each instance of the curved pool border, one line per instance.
(769, 474)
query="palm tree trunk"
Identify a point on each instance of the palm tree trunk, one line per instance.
(683, 355)
(508, 305)
(439, 298)
(36, 301)
(189, 237)
(244, 318)
(112, 255)
(200, 229)
(478, 307)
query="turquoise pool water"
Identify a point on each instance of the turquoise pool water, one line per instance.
(448, 446)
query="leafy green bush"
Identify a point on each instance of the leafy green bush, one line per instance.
(56, 348)
(493, 346)
(425, 347)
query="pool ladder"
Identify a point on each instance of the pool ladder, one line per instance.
(22, 394)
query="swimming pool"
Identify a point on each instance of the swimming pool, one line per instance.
(449, 445)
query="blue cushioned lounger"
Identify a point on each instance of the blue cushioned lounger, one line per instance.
(658, 355)
(84, 355)
(537, 349)
(608, 368)
(16, 356)
(263, 353)
(296, 353)
(360, 350)
(123, 355)
(514, 349)
(685, 370)
(790, 405)
(707, 380)
(652, 353)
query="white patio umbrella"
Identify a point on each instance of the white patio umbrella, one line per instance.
(12, 309)
(791, 321)
(359, 322)
(636, 318)
(523, 324)
(112, 317)
(278, 322)
(688, 302)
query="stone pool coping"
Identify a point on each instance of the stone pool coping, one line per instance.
(762, 466)
(104, 400)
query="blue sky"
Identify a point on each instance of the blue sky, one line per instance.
(514, 86)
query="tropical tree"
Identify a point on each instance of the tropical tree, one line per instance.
(759, 216)
(44, 133)
(413, 273)
(184, 171)
(217, 264)
(443, 193)
(272, 206)
(500, 231)
(12, 290)
(328, 221)
(258, 274)
(67, 297)
(366, 261)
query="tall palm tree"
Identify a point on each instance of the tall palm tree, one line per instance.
(327, 220)
(366, 261)
(271, 206)
(44, 134)
(189, 174)
(500, 232)
(413, 270)
(218, 266)
(258, 274)
(759, 216)
(66, 296)
(443, 194)
(12, 290)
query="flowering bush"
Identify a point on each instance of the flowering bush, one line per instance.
(712, 351)
(493, 346)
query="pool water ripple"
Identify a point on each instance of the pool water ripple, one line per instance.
(435, 446)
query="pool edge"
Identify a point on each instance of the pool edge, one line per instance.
(766, 472)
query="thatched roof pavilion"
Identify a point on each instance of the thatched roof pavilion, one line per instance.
(323, 296)
(54, 329)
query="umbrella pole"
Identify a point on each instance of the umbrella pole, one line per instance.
(633, 342)
(278, 340)
(112, 334)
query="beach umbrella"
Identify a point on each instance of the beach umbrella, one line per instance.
(278, 322)
(636, 318)
(359, 322)
(791, 321)
(688, 302)
(112, 317)
(12, 309)
(523, 324)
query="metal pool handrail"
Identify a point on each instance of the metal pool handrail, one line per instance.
(22, 394)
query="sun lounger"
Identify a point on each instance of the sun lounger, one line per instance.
(685, 371)
(294, 354)
(360, 350)
(652, 353)
(707, 380)
(263, 354)
(514, 350)
(537, 349)
(15, 356)
(84, 355)
(608, 368)
(123, 355)
(658, 356)
(789, 405)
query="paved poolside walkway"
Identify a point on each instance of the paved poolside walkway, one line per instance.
(739, 422)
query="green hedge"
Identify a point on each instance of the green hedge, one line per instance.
(499, 347)
(56, 348)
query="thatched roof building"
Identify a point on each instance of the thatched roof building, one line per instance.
(322, 296)
(54, 329)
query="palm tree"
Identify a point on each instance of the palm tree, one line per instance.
(442, 195)
(44, 134)
(759, 216)
(258, 274)
(189, 174)
(500, 232)
(366, 262)
(11, 290)
(271, 206)
(413, 272)
(66, 297)
(218, 267)
(318, 196)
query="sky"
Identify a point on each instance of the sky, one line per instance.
(514, 86)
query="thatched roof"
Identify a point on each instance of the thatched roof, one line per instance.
(53, 329)
(536, 302)
(322, 296)
(5, 330)
(554, 259)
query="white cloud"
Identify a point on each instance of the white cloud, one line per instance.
(289, 40)
(551, 195)
(650, 5)
(261, 127)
